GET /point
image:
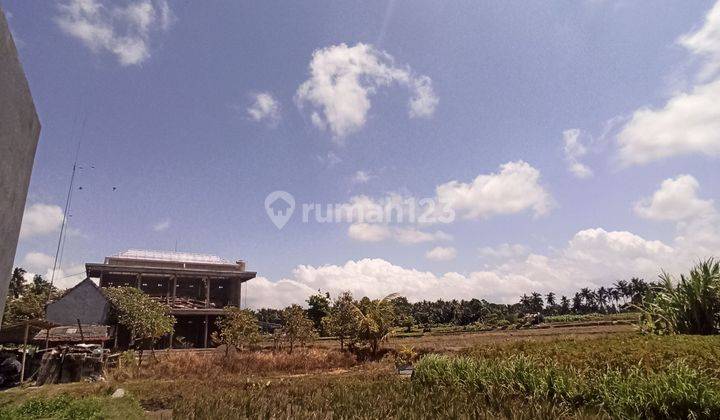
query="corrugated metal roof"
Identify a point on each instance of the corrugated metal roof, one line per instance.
(71, 333)
(187, 257)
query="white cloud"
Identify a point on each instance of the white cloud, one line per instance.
(362, 177)
(376, 232)
(697, 221)
(514, 189)
(39, 263)
(441, 253)
(264, 108)
(689, 122)
(342, 80)
(122, 31)
(368, 232)
(41, 219)
(162, 225)
(416, 236)
(593, 257)
(705, 42)
(676, 200)
(574, 150)
(504, 251)
(424, 101)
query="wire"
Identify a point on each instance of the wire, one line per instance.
(67, 203)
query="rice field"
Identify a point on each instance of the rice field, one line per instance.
(580, 372)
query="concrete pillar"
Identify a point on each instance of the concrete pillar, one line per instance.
(206, 282)
(205, 336)
(19, 132)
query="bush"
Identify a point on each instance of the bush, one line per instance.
(76, 408)
(688, 306)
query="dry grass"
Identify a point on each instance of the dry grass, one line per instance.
(215, 365)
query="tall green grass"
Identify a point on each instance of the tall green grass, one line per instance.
(690, 305)
(677, 391)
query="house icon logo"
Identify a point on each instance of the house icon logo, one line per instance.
(279, 206)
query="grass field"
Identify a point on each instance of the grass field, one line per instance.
(599, 371)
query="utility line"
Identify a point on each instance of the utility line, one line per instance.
(67, 203)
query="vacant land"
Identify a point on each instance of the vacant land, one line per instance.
(598, 371)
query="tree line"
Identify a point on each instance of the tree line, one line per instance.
(359, 325)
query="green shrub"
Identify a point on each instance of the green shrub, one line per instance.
(72, 408)
(688, 306)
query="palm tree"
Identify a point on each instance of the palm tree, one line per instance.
(564, 305)
(615, 296)
(624, 289)
(577, 303)
(602, 298)
(550, 299)
(376, 318)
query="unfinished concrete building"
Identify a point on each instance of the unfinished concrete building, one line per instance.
(196, 287)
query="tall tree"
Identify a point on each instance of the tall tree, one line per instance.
(376, 320)
(318, 308)
(145, 318)
(17, 283)
(564, 305)
(238, 328)
(297, 327)
(343, 321)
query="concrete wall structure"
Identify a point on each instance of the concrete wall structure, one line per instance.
(85, 302)
(19, 132)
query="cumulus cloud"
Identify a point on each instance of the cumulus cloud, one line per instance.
(593, 257)
(697, 221)
(689, 122)
(516, 188)
(40, 263)
(264, 108)
(676, 200)
(41, 219)
(124, 31)
(574, 150)
(343, 79)
(441, 253)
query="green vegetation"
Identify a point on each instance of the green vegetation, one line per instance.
(27, 300)
(342, 319)
(145, 318)
(623, 316)
(676, 391)
(238, 328)
(64, 406)
(688, 306)
(297, 327)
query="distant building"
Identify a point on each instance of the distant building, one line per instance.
(196, 287)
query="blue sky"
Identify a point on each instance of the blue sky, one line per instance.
(575, 141)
